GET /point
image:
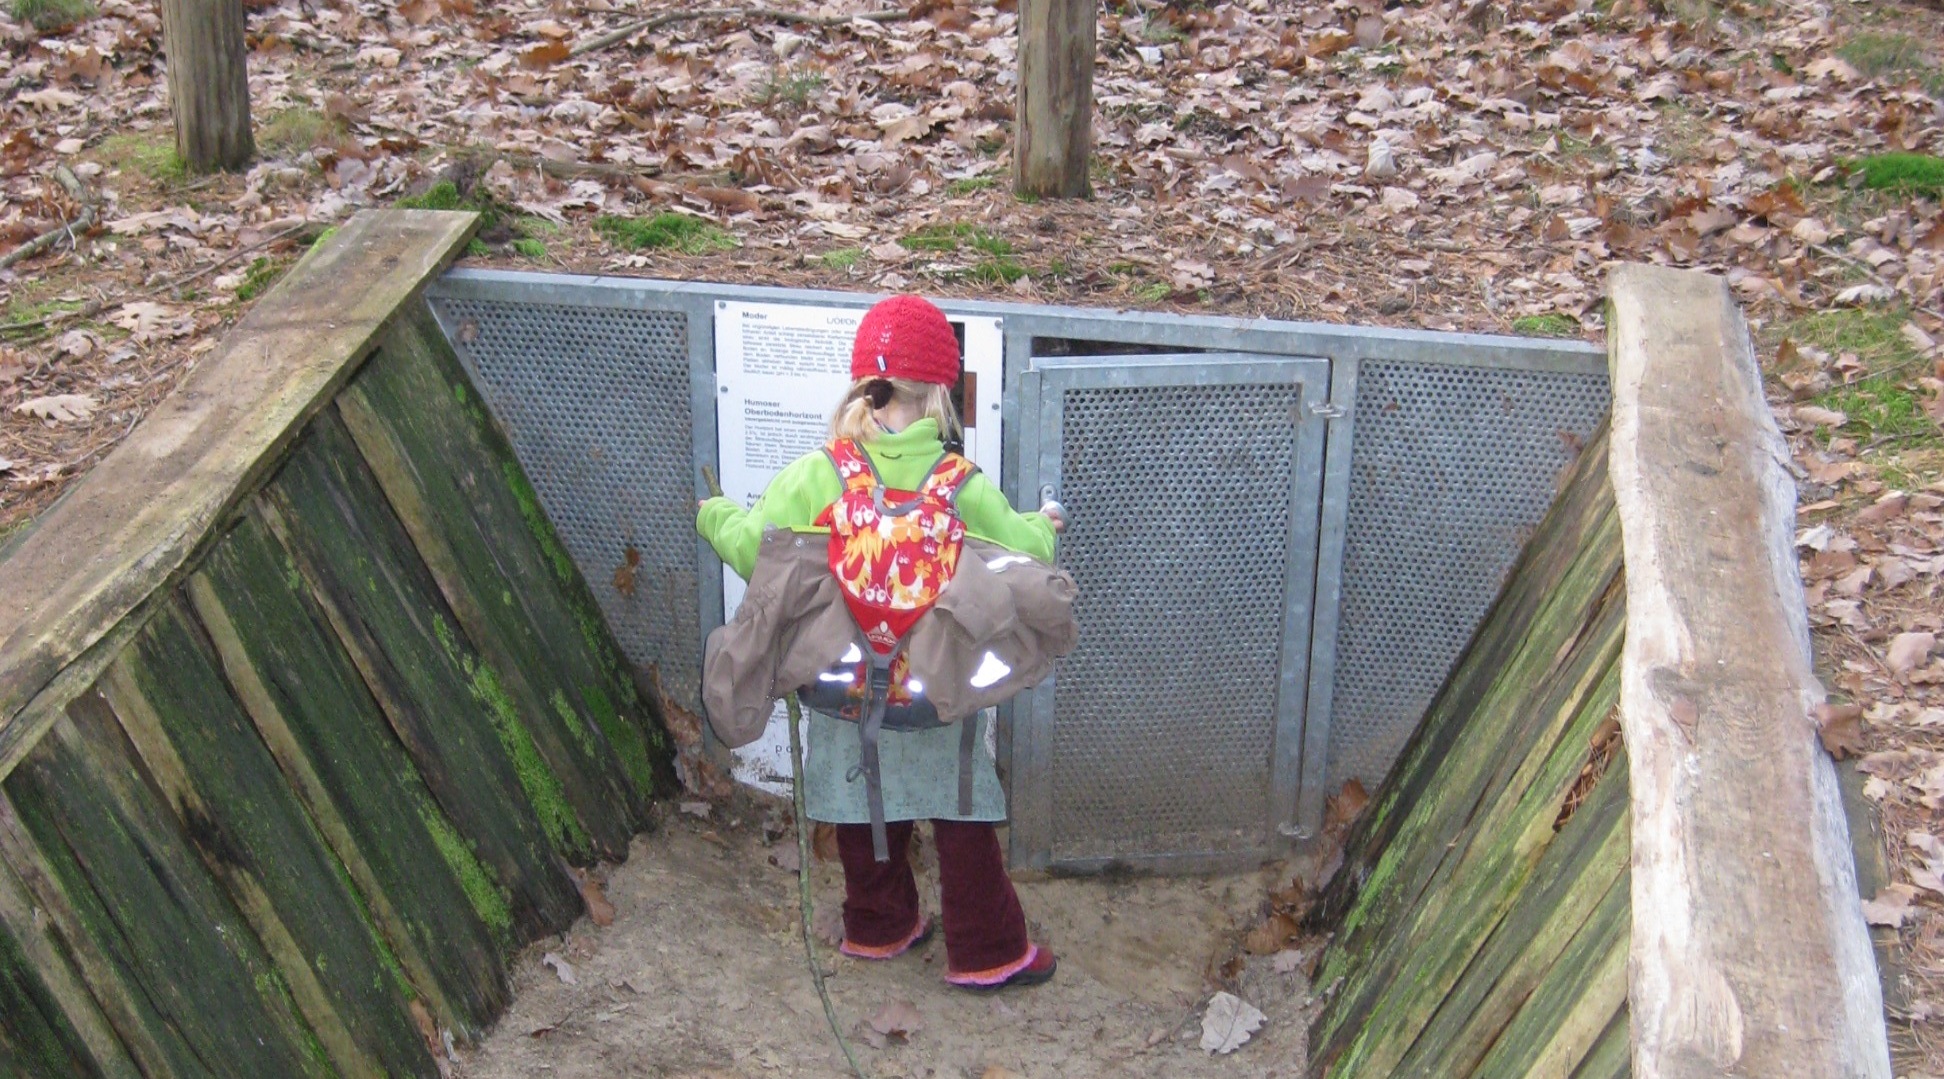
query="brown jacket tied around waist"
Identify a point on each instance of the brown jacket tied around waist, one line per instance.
(995, 630)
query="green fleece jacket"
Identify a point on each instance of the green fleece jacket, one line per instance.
(801, 491)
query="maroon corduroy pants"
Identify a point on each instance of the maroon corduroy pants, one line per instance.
(984, 924)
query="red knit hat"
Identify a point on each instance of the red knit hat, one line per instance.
(906, 337)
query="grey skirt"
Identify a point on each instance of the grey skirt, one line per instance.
(920, 771)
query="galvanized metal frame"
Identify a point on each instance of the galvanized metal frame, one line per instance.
(1208, 337)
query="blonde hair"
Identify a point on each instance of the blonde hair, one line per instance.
(856, 419)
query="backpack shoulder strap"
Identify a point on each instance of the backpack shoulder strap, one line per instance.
(854, 467)
(948, 477)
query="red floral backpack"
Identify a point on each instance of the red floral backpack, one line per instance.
(892, 552)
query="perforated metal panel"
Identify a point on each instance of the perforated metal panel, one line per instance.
(1451, 468)
(1187, 498)
(596, 401)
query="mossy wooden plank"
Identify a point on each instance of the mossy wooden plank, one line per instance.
(153, 1049)
(1512, 729)
(1585, 500)
(1496, 741)
(1392, 990)
(1590, 853)
(137, 520)
(30, 937)
(419, 880)
(1572, 1006)
(441, 699)
(450, 477)
(35, 1037)
(240, 815)
(1612, 1055)
(207, 1000)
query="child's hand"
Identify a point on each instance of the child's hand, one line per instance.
(1055, 513)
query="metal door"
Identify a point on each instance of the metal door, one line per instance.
(1172, 737)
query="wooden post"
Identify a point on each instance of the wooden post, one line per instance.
(1054, 122)
(1749, 955)
(209, 88)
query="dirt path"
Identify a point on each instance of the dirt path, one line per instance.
(702, 974)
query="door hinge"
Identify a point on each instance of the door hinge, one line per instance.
(1327, 411)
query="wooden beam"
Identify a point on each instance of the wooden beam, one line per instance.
(1749, 951)
(133, 527)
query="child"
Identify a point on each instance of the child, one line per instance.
(904, 361)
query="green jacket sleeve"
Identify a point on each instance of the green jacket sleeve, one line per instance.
(792, 500)
(988, 515)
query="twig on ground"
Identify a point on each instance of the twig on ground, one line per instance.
(86, 310)
(628, 30)
(795, 719)
(175, 286)
(569, 170)
(96, 306)
(45, 240)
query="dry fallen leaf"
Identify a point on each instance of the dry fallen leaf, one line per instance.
(61, 407)
(1840, 726)
(544, 55)
(1891, 905)
(598, 907)
(1228, 1023)
(1268, 938)
(561, 967)
(1909, 651)
(1288, 962)
(1816, 416)
(892, 1024)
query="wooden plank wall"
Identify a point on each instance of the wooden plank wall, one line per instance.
(1481, 916)
(299, 822)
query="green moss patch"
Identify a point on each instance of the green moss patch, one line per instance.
(295, 130)
(994, 261)
(844, 258)
(1882, 406)
(1550, 324)
(531, 248)
(681, 232)
(488, 899)
(149, 154)
(1909, 174)
(52, 16)
(542, 786)
(260, 276)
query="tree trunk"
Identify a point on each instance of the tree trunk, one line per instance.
(209, 87)
(1055, 117)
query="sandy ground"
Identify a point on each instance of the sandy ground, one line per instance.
(702, 973)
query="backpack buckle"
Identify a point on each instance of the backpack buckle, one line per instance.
(877, 680)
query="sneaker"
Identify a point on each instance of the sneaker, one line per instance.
(1036, 969)
(918, 938)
